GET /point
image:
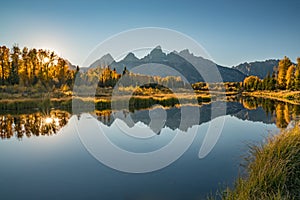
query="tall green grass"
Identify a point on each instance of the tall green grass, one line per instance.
(273, 170)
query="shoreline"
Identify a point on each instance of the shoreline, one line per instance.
(107, 98)
(292, 97)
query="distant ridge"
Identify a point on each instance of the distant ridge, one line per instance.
(258, 68)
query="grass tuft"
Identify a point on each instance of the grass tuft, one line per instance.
(273, 170)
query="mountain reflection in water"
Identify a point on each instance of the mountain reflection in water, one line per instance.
(253, 109)
(247, 108)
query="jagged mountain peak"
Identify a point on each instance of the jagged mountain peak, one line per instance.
(157, 51)
(155, 55)
(185, 52)
(107, 58)
(104, 61)
(130, 57)
(158, 47)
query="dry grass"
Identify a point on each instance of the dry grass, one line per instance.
(273, 170)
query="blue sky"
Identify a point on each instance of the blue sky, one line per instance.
(231, 31)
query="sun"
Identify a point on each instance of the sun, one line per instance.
(46, 59)
(48, 120)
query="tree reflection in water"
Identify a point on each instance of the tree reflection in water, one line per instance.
(246, 108)
(35, 124)
(283, 112)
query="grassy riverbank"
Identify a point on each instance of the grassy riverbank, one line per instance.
(273, 170)
(133, 102)
(107, 95)
(292, 97)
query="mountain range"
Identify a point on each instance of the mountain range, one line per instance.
(258, 68)
(158, 61)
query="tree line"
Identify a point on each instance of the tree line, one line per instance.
(286, 76)
(107, 77)
(29, 67)
(43, 69)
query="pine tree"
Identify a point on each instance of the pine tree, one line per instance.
(125, 71)
(33, 66)
(272, 82)
(25, 67)
(266, 81)
(14, 70)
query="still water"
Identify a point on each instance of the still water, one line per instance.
(43, 157)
